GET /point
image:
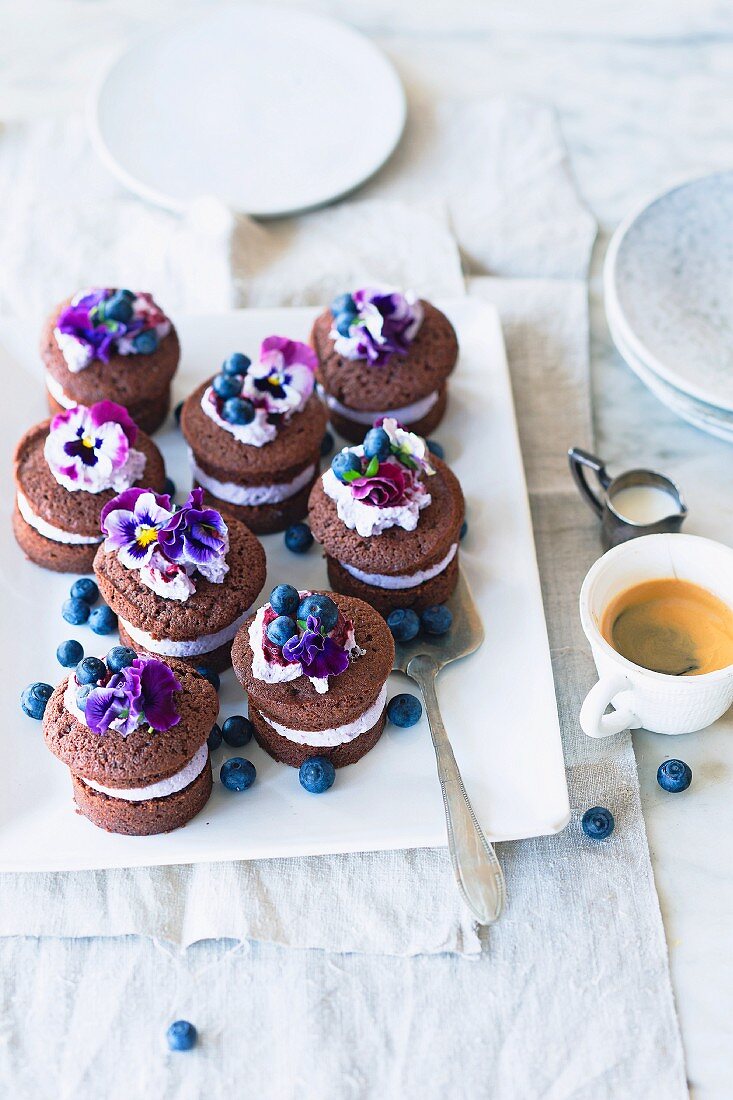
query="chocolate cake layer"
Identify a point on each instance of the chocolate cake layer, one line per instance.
(289, 752)
(154, 815)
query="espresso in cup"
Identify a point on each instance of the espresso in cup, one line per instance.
(671, 626)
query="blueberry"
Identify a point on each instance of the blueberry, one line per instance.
(322, 608)
(326, 444)
(238, 410)
(181, 1035)
(85, 589)
(118, 308)
(119, 657)
(343, 322)
(435, 448)
(170, 487)
(344, 303)
(177, 412)
(214, 738)
(404, 710)
(464, 529)
(209, 674)
(377, 445)
(69, 653)
(597, 823)
(298, 538)
(284, 599)
(237, 731)
(436, 619)
(280, 629)
(404, 624)
(345, 461)
(90, 670)
(236, 364)
(33, 699)
(146, 342)
(317, 774)
(674, 776)
(237, 774)
(82, 694)
(75, 611)
(129, 294)
(227, 385)
(103, 620)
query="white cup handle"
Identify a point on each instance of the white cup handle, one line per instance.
(594, 721)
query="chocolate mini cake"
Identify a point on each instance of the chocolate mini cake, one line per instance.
(66, 470)
(254, 434)
(315, 668)
(383, 353)
(114, 344)
(389, 515)
(180, 580)
(132, 731)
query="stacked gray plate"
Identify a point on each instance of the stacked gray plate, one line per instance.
(668, 283)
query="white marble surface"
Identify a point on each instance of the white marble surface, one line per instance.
(644, 100)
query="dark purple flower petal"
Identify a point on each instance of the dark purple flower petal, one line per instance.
(103, 706)
(158, 686)
(104, 411)
(318, 656)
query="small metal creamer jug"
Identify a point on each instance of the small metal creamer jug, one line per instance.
(638, 502)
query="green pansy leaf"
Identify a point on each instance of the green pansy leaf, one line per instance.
(351, 475)
(373, 467)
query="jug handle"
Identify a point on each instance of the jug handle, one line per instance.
(581, 460)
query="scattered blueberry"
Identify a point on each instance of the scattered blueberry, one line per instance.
(237, 774)
(238, 410)
(146, 341)
(342, 322)
(436, 619)
(284, 599)
(209, 674)
(597, 823)
(236, 364)
(181, 1035)
(69, 653)
(377, 444)
(326, 444)
(33, 699)
(170, 487)
(214, 738)
(118, 308)
(90, 670)
(177, 412)
(435, 448)
(464, 529)
(404, 624)
(298, 538)
(75, 611)
(322, 608)
(237, 731)
(103, 620)
(674, 776)
(85, 589)
(344, 461)
(119, 657)
(317, 774)
(82, 694)
(280, 629)
(404, 710)
(344, 303)
(227, 385)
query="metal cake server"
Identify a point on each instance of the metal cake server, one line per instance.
(476, 867)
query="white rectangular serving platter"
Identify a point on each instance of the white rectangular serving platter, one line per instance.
(498, 705)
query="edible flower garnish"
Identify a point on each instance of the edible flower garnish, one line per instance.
(92, 448)
(101, 321)
(375, 323)
(141, 694)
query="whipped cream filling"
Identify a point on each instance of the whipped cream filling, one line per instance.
(250, 495)
(271, 673)
(408, 580)
(335, 735)
(55, 534)
(405, 413)
(164, 787)
(166, 647)
(368, 519)
(57, 392)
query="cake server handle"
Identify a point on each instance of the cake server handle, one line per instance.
(477, 870)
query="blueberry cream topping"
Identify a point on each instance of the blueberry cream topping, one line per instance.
(92, 449)
(100, 322)
(375, 323)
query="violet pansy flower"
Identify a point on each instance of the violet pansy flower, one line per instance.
(283, 379)
(194, 534)
(375, 323)
(103, 321)
(142, 694)
(132, 523)
(91, 449)
(318, 655)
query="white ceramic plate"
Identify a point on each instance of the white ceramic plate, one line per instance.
(498, 704)
(267, 109)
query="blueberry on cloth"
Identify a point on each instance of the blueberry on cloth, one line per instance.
(85, 589)
(435, 448)
(90, 670)
(214, 738)
(170, 487)
(213, 677)
(345, 461)
(33, 699)
(674, 776)
(317, 774)
(284, 599)
(103, 620)
(177, 412)
(404, 624)
(75, 611)
(436, 619)
(464, 530)
(298, 538)
(322, 608)
(181, 1035)
(69, 653)
(146, 341)
(597, 823)
(237, 774)
(280, 629)
(404, 710)
(238, 410)
(326, 444)
(236, 364)
(227, 385)
(119, 657)
(237, 731)
(377, 445)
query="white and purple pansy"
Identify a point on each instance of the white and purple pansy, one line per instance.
(101, 321)
(375, 323)
(142, 694)
(92, 448)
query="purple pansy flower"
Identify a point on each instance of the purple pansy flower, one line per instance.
(383, 323)
(86, 447)
(194, 534)
(386, 489)
(132, 523)
(84, 332)
(141, 693)
(283, 379)
(318, 655)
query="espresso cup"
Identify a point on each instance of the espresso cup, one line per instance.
(642, 698)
